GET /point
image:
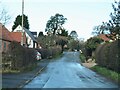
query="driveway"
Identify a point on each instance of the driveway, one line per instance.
(67, 72)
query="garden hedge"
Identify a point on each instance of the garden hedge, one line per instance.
(107, 55)
(19, 56)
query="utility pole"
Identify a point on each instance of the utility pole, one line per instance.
(22, 38)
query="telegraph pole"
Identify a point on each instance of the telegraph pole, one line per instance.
(22, 38)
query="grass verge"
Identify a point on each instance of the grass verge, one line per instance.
(10, 71)
(58, 56)
(114, 76)
(29, 68)
(23, 69)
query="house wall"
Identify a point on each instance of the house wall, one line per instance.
(31, 45)
(18, 29)
(0, 45)
(35, 45)
(5, 46)
(29, 41)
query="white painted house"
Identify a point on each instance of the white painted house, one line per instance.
(31, 40)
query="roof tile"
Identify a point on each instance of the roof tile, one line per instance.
(104, 37)
(10, 36)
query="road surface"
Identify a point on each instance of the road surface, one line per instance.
(67, 72)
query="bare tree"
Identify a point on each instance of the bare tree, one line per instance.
(4, 16)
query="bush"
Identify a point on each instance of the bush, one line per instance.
(82, 58)
(44, 53)
(49, 53)
(107, 56)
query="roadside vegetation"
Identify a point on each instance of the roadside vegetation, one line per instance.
(114, 76)
(82, 58)
(106, 53)
(107, 58)
(20, 59)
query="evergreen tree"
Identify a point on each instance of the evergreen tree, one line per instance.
(18, 21)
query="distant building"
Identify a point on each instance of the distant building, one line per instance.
(34, 34)
(6, 37)
(105, 38)
(30, 36)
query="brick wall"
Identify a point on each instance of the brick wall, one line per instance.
(4, 46)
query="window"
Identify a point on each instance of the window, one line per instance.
(4, 45)
(0, 44)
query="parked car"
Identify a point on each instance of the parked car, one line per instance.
(38, 56)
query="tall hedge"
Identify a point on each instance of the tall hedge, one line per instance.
(21, 57)
(107, 55)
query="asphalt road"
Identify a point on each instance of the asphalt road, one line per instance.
(67, 72)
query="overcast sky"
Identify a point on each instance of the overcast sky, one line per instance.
(82, 15)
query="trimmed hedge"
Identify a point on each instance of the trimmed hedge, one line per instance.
(107, 55)
(20, 57)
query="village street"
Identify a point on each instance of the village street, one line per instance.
(67, 72)
(62, 44)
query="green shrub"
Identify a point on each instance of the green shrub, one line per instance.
(49, 53)
(82, 58)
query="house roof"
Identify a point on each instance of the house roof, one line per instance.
(30, 34)
(104, 37)
(34, 33)
(5, 34)
(19, 28)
